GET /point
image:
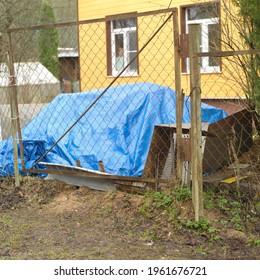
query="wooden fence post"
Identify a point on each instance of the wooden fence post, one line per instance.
(196, 130)
(179, 98)
(14, 111)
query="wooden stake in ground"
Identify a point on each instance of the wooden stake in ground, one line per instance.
(179, 103)
(196, 130)
(14, 113)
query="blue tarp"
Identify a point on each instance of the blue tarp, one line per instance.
(116, 130)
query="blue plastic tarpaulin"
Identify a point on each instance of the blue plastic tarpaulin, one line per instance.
(117, 129)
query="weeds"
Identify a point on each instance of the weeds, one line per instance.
(200, 250)
(239, 210)
(182, 194)
(255, 242)
(150, 235)
(224, 251)
(111, 226)
(155, 200)
(169, 206)
(237, 214)
(161, 199)
(203, 225)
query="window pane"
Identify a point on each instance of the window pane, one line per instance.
(119, 40)
(214, 43)
(124, 45)
(133, 65)
(203, 12)
(132, 41)
(124, 23)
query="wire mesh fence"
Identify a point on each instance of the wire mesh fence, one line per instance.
(5, 127)
(226, 151)
(105, 103)
(73, 114)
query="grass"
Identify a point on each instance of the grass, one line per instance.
(115, 225)
(234, 213)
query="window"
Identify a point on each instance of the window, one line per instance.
(207, 16)
(122, 46)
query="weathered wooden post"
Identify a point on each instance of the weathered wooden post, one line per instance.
(1, 43)
(14, 111)
(179, 98)
(196, 130)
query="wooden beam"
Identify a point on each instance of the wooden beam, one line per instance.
(226, 53)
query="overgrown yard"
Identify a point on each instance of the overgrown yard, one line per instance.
(52, 220)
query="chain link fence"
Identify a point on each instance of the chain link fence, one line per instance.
(229, 150)
(109, 111)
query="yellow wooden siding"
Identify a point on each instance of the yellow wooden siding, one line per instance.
(100, 8)
(156, 62)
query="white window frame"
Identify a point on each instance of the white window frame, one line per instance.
(125, 32)
(204, 47)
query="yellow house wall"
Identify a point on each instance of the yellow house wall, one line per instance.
(155, 65)
(100, 8)
(156, 62)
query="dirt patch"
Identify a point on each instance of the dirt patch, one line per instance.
(10, 199)
(52, 220)
(65, 203)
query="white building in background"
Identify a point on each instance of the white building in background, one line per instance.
(32, 73)
(36, 86)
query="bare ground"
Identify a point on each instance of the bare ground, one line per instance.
(52, 220)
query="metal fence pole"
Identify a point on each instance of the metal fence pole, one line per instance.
(179, 103)
(196, 130)
(14, 111)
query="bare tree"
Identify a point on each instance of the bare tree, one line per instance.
(16, 13)
(66, 11)
(240, 30)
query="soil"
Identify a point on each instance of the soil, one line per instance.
(52, 220)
